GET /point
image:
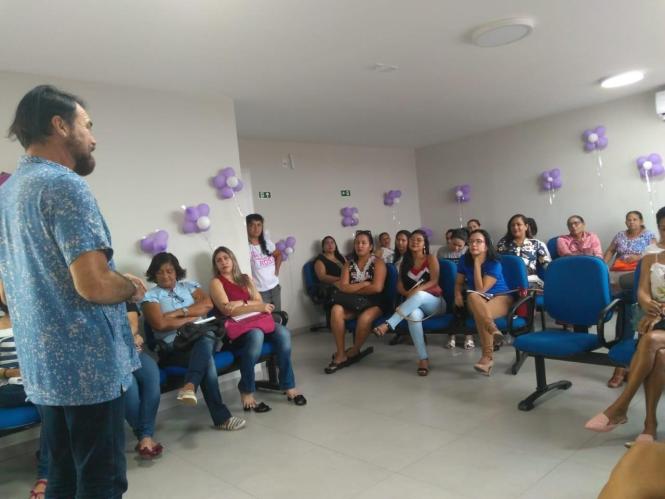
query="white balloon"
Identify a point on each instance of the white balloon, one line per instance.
(288, 250)
(459, 194)
(647, 165)
(232, 182)
(203, 223)
(396, 200)
(550, 179)
(593, 138)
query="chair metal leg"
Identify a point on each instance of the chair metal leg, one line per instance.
(542, 318)
(541, 386)
(520, 357)
(272, 383)
(319, 327)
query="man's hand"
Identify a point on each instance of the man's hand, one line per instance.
(140, 287)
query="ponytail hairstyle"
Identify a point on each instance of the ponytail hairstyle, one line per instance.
(255, 217)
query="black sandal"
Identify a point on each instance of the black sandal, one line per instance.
(422, 371)
(298, 399)
(259, 408)
(333, 367)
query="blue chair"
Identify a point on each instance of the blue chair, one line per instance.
(13, 419)
(622, 353)
(551, 247)
(312, 285)
(577, 292)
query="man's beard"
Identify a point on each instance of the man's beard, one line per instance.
(84, 163)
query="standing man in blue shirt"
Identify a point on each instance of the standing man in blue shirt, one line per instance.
(57, 275)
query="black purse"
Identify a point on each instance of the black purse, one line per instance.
(190, 333)
(352, 302)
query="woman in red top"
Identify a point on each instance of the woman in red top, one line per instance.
(234, 293)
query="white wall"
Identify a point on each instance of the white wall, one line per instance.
(306, 201)
(155, 152)
(503, 168)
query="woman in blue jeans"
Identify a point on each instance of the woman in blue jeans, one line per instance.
(234, 293)
(171, 304)
(419, 284)
(143, 395)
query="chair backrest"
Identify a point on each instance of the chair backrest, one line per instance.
(514, 272)
(390, 286)
(551, 246)
(577, 289)
(309, 277)
(447, 276)
(636, 281)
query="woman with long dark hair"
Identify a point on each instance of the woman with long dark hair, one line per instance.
(519, 241)
(479, 270)
(329, 263)
(401, 246)
(364, 274)
(419, 284)
(265, 260)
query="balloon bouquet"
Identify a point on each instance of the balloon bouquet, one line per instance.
(595, 141)
(551, 181)
(650, 166)
(462, 195)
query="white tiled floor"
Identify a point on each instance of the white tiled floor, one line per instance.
(377, 430)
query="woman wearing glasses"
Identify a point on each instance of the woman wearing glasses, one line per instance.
(480, 270)
(364, 274)
(171, 304)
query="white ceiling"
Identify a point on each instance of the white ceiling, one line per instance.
(298, 69)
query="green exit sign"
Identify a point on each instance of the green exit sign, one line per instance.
(345, 193)
(264, 195)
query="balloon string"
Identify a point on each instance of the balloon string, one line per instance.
(461, 218)
(599, 170)
(551, 194)
(238, 206)
(649, 190)
(207, 240)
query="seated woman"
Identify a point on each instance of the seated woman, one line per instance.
(419, 284)
(472, 224)
(171, 304)
(480, 270)
(401, 247)
(622, 256)
(384, 251)
(519, 241)
(578, 241)
(455, 249)
(364, 275)
(234, 293)
(328, 265)
(143, 395)
(648, 364)
(12, 394)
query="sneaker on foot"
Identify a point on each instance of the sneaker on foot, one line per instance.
(187, 397)
(451, 342)
(232, 424)
(468, 343)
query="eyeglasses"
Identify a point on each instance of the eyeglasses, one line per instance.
(175, 297)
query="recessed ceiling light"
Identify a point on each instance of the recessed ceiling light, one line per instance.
(502, 32)
(623, 79)
(380, 67)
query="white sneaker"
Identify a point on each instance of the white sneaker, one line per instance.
(451, 342)
(468, 343)
(187, 397)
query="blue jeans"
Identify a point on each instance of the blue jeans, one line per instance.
(87, 449)
(201, 371)
(14, 396)
(416, 307)
(273, 296)
(249, 351)
(142, 398)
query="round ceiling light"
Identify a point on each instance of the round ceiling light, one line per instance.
(623, 79)
(502, 32)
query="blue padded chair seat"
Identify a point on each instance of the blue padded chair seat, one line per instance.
(162, 376)
(223, 360)
(16, 417)
(501, 323)
(623, 352)
(556, 343)
(540, 301)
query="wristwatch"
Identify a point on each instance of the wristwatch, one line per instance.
(185, 311)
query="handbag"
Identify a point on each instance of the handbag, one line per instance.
(350, 301)
(235, 328)
(187, 335)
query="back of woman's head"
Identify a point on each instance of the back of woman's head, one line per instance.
(461, 234)
(533, 227)
(490, 252)
(660, 214)
(161, 259)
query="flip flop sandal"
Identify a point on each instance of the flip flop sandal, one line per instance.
(38, 495)
(422, 371)
(258, 408)
(333, 367)
(298, 399)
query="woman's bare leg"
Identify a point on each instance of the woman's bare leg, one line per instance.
(363, 328)
(653, 389)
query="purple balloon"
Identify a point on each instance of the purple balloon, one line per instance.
(281, 246)
(556, 173)
(602, 143)
(354, 210)
(203, 210)
(556, 184)
(225, 193)
(189, 226)
(239, 187)
(228, 172)
(161, 236)
(588, 146)
(219, 181)
(191, 213)
(657, 169)
(290, 241)
(159, 247)
(585, 135)
(354, 222)
(600, 130)
(346, 221)
(654, 158)
(388, 201)
(147, 245)
(346, 212)
(398, 193)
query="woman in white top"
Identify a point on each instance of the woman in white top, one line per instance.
(648, 364)
(265, 261)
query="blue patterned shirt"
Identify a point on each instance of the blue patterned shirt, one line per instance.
(71, 351)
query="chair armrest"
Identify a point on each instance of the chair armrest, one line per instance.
(530, 297)
(600, 327)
